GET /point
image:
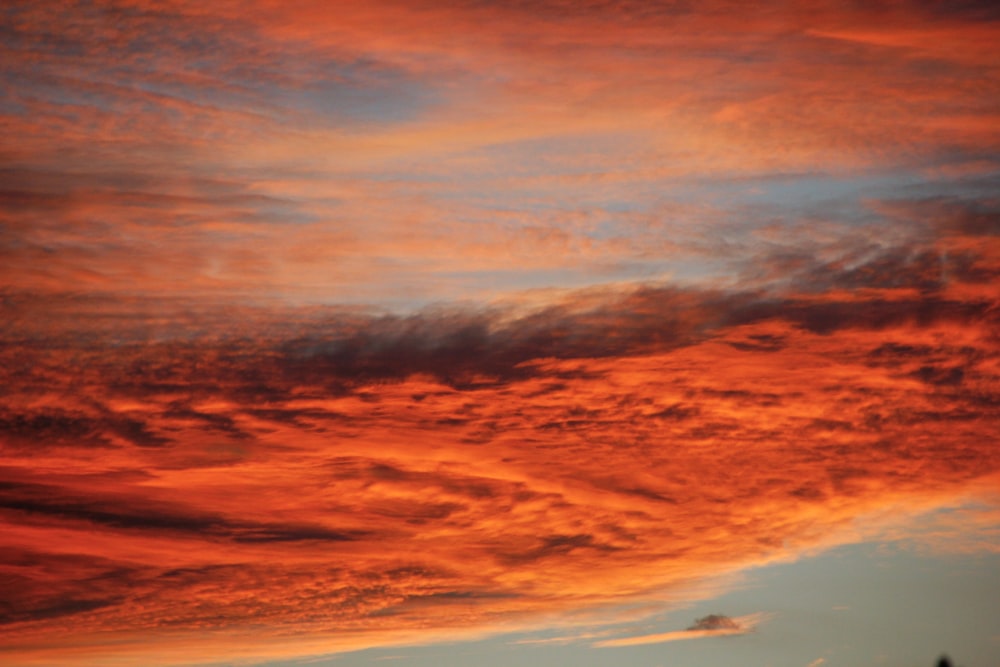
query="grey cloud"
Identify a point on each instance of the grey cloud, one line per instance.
(50, 502)
(715, 622)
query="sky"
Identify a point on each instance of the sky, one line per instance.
(416, 332)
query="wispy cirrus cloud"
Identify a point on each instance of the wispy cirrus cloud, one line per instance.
(409, 152)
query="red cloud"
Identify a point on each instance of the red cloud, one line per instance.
(371, 478)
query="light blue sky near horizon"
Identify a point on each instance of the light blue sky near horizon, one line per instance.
(870, 604)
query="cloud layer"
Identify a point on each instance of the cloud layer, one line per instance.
(349, 479)
(410, 152)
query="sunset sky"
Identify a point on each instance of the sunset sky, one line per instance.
(414, 332)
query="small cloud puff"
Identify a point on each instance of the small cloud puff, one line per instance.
(714, 622)
(712, 625)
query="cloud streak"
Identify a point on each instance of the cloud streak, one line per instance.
(710, 626)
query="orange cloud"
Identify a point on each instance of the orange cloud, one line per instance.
(186, 478)
(415, 151)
